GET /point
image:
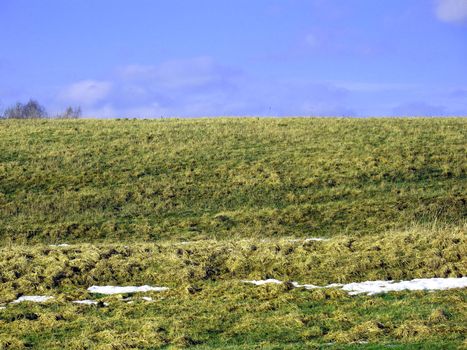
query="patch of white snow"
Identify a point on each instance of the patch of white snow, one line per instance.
(88, 302)
(124, 290)
(310, 239)
(32, 298)
(376, 287)
(317, 239)
(261, 282)
(306, 286)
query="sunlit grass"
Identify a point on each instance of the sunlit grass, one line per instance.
(85, 180)
(200, 205)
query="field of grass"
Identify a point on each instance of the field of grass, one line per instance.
(201, 205)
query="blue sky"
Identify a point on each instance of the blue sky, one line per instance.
(153, 58)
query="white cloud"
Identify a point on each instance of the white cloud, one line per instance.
(451, 10)
(87, 92)
(200, 71)
(180, 74)
(201, 86)
(137, 72)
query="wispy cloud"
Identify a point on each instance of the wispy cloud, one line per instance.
(458, 93)
(451, 10)
(201, 86)
(181, 74)
(364, 86)
(341, 40)
(87, 92)
(418, 108)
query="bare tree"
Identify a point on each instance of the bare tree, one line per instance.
(30, 110)
(71, 113)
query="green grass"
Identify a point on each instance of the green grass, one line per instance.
(200, 205)
(243, 317)
(149, 180)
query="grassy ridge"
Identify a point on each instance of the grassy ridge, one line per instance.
(418, 253)
(178, 179)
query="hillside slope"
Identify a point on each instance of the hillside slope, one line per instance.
(93, 180)
(193, 213)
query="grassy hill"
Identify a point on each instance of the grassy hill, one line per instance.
(83, 180)
(200, 205)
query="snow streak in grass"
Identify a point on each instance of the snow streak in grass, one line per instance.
(261, 282)
(317, 239)
(88, 302)
(376, 287)
(124, 290)
(32, 298)
(310, 239)
(312, 286)
(130, 300)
